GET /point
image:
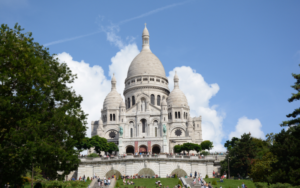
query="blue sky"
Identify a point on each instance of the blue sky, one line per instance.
(247, 48)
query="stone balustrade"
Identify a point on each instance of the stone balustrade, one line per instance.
(143, 157)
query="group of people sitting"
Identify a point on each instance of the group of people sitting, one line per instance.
(103, 182)
(128, 182)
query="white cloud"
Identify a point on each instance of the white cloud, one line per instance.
(92, 84)
(198, 94)
(246, 125)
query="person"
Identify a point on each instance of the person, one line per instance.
(199, 180)
(128, 182)
(191, 174)
(194, 182)
(243, 185)
(99, 181)
(108, 181)
(195, 174)
(132, 183)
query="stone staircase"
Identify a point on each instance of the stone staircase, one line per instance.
(190, 182)
(94, 184)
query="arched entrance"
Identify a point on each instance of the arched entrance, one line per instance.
(146, 172)
(130, 149)
(143, 149)
(179, 172)
(156, 149)
(113, 172)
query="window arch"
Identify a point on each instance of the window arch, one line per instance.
(128, 101)
(114, 117)
(143, 125)
(178, 115)
(152, 99)
(110, 117)
(158, 100)
(175, 115)
(133, 100)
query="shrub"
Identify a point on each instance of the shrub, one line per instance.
(93, 155)
(38, 185)
(260, 185)
(119, 178)
(175, 176)
(206, 176)
(180, 183)
(214, 182)
(88, 178)
(117, 184)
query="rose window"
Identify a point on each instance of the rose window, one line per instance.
(178, 132)
(112, 134)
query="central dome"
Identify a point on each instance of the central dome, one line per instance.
(146, 63)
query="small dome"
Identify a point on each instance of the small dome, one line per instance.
(113, 79)
(122, 104)
(177, 98)
(112, 100)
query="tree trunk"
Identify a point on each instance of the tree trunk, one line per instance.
(32, 177)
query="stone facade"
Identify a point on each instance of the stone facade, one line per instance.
(161, 165)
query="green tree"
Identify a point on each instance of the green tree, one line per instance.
(99, 144)
(286, 149)
(241, 156)
(177, 148)
(206, 144)
(231, 143)
(187, 147)
(197, 148)
(40, 116)
(112, 147)
(295, 97)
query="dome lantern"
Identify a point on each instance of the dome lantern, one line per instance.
(145, 36)
(113, 82)
(176, 80)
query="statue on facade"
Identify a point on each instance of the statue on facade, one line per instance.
(121, 131)
(143, 106)
(164, 128)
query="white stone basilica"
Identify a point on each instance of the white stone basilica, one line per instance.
(152, 119)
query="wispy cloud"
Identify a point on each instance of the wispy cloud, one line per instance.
(70, 39)
(111, 30)
(153, 12)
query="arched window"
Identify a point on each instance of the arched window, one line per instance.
(114, 117)
(126, 104)
(143, 125)
(170, 115)
(152, 99)
(175, 115)
(131, 132)
(128, 101)
(178, 115)
(155, 131)
(158, 100)
(110, 117)
(133, 100)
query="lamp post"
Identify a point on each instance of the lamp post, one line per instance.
(228, 177)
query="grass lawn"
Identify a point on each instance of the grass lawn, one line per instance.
(82, 184)
(230, 183)
(150, 183)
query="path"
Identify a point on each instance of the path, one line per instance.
(190, 181)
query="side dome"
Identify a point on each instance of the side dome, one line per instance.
(113, 99)
(177, 97)
(146, 63)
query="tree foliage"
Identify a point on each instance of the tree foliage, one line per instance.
(286, 149)
(295, 97)
(40, 116)
(112, 147)
(206, 144)
(177, 148)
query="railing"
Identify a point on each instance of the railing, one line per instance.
(159, 156)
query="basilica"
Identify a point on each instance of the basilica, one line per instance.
(151, 119)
